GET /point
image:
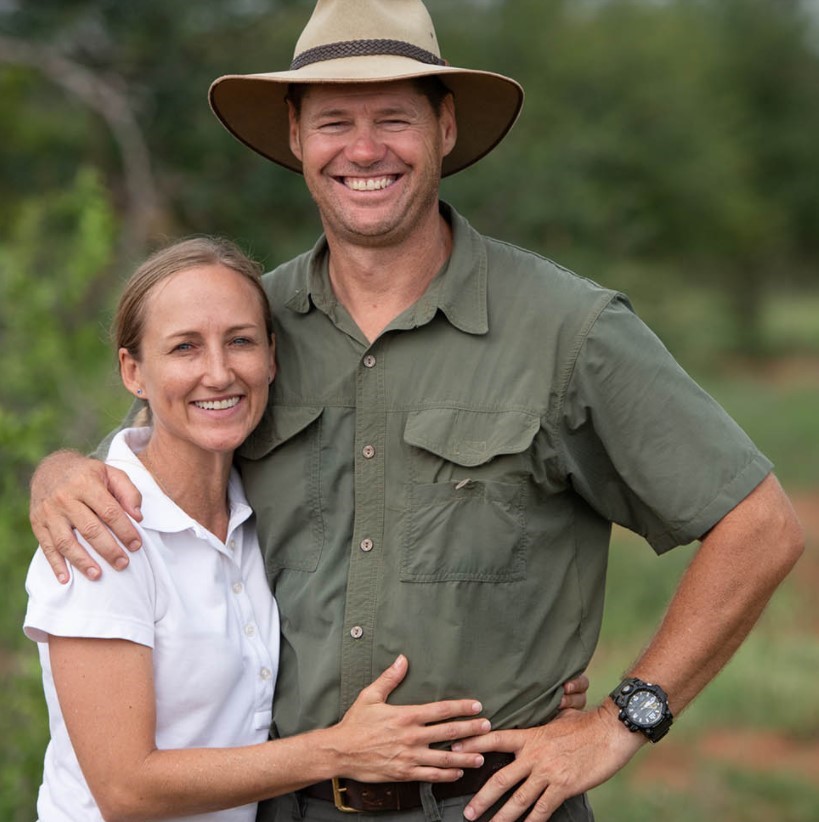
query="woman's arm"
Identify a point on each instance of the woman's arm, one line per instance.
(130, 779)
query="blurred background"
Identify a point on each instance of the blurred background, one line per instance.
(667, 149)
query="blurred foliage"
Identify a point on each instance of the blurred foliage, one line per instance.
(665, 148)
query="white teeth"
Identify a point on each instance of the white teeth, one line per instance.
(368, 184)
(217, 405)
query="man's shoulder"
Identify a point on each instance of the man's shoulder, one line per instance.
(534, 269)
(288, 274)
(546, 286)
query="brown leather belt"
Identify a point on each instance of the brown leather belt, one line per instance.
(351, 796)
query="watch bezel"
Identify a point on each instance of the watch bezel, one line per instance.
(622, 696)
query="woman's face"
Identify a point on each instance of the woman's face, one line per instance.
(206, 360)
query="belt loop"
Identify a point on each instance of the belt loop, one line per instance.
(432, 811)
(298, 806)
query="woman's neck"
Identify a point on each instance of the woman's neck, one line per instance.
(196, 480)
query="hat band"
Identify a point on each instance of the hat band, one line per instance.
(364, 48)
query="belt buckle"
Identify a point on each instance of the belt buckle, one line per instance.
(338, 798)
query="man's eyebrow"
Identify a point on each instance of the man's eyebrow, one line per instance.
(382, 111)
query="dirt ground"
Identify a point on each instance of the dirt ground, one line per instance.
(763, 751)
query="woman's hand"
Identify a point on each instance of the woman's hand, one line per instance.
(378, 742)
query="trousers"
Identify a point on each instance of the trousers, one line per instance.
(299, 808)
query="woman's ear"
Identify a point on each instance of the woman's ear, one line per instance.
(131, 373)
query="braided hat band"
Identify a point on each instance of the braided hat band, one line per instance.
(365, 48)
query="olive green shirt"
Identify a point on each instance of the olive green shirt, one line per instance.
(447, 492)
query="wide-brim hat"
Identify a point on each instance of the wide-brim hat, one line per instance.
(367, 41)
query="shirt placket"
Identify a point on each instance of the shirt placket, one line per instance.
(365, 550)
(255, 648)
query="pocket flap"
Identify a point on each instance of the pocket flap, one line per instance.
(470, 438)
(279, 424)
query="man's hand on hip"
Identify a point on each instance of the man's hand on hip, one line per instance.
(570, 755)
(70, 491)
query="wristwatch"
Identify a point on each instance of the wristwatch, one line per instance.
(643, 707)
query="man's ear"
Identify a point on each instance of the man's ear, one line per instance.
(449, 124)
(295, 138)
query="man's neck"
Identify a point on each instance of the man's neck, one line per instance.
(377, 283)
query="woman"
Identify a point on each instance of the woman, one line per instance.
(160, 680)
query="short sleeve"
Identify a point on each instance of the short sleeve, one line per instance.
(645, 445)
(119, 605)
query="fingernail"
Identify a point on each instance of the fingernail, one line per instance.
(92, 573)
(457, 747)
(62, 578)
(478, 761)
(135, 545)
(469, 813)
(121, 563)
(486, 725)
(477, 707)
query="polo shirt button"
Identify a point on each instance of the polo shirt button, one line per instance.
(366, 544)
(369, 361)
(238, 587)
(368, 451)
(250, 630)
(356, 632)
(265, 673)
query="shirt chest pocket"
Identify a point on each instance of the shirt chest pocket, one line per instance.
(465, 515)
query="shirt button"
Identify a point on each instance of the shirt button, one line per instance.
(250, 630)
(238, 587)
(366, 544)
(356, 632)
(368, 451)
(232, 544)
(265, 673)
(369, 361)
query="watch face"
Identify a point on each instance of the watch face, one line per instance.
(644, 709)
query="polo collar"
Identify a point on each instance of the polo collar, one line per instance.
(159, 512)
(459, 290)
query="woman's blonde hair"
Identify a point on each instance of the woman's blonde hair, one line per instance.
(129, 320)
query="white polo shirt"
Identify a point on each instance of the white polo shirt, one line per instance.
(203, 607)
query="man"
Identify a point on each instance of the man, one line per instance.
(455, 425)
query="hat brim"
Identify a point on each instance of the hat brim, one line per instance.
(253, 108)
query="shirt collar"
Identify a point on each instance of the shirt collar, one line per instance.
(458, 290)
(159, 511)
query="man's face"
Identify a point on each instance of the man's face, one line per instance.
(371, 155)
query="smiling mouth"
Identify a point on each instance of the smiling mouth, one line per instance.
(369, 183)
(217, 405)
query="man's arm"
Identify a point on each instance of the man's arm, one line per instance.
(737, 568)
(70, 491)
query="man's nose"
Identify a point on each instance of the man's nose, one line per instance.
(365, 147)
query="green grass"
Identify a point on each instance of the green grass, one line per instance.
(706, 793)
(769, 684)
